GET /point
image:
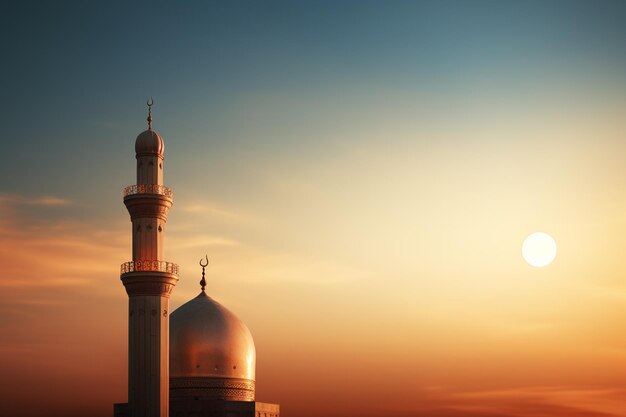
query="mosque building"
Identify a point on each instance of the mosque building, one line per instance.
(198, 361)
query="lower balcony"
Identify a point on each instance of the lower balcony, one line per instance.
(149, 266)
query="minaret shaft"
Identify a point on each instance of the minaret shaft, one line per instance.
(148, 356)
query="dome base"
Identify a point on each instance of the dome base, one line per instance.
(208, 388)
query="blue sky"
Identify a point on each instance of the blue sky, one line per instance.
(76, 74)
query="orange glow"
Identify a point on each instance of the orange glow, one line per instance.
(401, 293)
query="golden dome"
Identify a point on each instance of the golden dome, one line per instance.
(149, 142)
(212, 353)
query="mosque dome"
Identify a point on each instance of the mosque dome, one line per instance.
(149, 142)
(212, 354)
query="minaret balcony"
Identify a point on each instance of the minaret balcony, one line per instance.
(148, 200)
(148, 189)
(149, 266)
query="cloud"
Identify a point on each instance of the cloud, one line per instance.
(538, 401)
(207, 208)
(48, 201)
(212, 209)
(522, 402)
(200, 241)
(63, 253)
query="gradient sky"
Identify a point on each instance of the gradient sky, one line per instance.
(361, 174)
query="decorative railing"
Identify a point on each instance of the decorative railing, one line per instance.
(141, 266)
(148, 189)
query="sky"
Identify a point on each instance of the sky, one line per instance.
(361, 174)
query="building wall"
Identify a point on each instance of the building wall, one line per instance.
(221, 408)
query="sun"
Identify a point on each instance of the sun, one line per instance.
(539, 249)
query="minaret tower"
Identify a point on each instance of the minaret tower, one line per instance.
(149, 281)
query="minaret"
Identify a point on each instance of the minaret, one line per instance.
(149, 281)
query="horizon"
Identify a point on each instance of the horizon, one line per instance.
(362, 176)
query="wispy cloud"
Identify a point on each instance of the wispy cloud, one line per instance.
(48, 200)
(210, 208)
(522, 402)
(200, 241)
(53, 254)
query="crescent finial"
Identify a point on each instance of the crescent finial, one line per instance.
(203, 265)
(149, 119)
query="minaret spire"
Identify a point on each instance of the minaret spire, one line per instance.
(203, 281)
(149, 119)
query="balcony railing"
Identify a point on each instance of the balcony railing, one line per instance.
(141, 266)
(148, 189)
